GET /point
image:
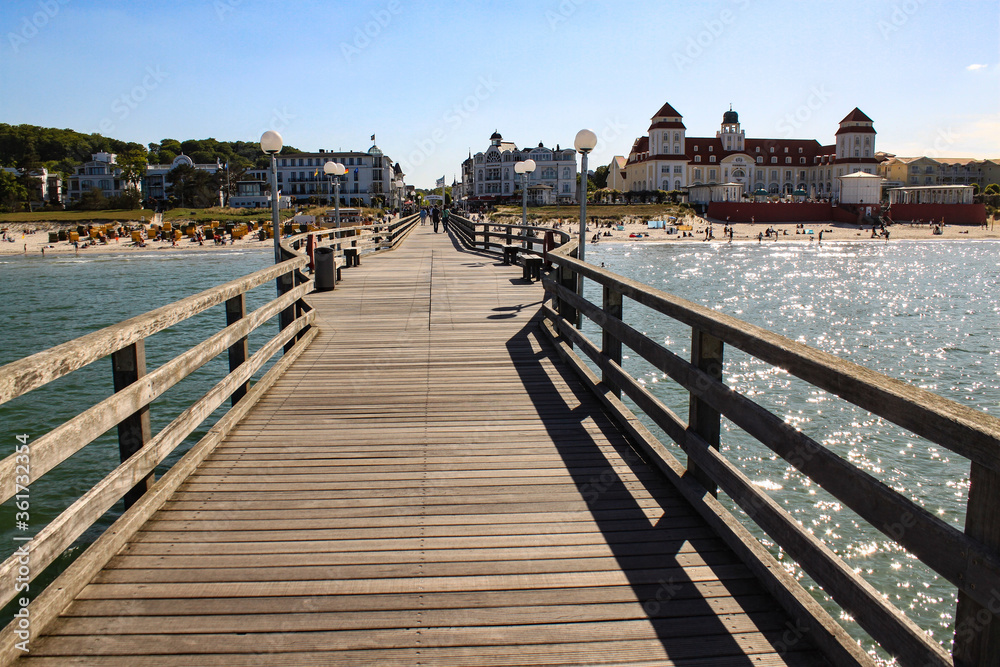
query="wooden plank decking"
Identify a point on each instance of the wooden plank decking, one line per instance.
(425, 486)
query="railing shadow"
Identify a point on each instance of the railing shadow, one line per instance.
(654, 554)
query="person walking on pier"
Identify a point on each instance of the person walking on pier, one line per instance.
(444, 219)
(436, 217)
(423, 215)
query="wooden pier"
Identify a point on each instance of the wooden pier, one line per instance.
(424, 481)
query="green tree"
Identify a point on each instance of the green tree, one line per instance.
(194, 187)
(12, 192)
(94, 200)
(600, 176)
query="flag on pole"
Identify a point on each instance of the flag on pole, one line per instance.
(439, 183)
(373, 137)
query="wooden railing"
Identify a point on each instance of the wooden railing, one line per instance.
(969, 560)
(128, 410)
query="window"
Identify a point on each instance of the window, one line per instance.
(711, 148)
(757, 150)
(800, 149)
(695, 149)
(301, 161)
(786, 149)
(760, 160)
(712, 175)
(774, 160)
(772, 149)
(284, 162)
(678, 169)
(711, 158)
(802, 160)
(697, 158)
(788, 160)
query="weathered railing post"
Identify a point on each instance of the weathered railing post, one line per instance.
(510, 239)
(128, 365)
(236, 309)
(567, 278)
(611, 347)
(486, 236)
(286, 317)
(703, 419)
(977, 629)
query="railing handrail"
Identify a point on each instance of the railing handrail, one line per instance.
(34, 371)
(969, 560)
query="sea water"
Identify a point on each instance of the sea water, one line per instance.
(48, 301)
(927, 313)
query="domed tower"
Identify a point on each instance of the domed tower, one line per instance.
(730, 134)
(495, 139)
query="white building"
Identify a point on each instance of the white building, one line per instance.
(101, 172)
(50, 184)
(932, 194)
(860, 188)
(616, 173)
(156, 176)
(493, 176)
(668, 159)
(371, 177)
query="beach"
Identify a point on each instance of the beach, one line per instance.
(807, 232)
(32, 238)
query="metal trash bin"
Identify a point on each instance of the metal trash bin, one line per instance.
(324, 270)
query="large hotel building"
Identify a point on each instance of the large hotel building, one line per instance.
(668, 159)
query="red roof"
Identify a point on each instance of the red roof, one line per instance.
(666, 110)
(667, 124)
(859, 129)
(857, 116)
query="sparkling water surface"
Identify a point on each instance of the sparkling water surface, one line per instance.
(923, 312)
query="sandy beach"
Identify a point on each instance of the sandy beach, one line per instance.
(806, 233)
(32, 238)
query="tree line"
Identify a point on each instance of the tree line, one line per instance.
(30, 147)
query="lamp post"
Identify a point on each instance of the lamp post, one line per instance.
(335, 170)
(399, 195)
(524, 168)
(585, 142)
(270, 143)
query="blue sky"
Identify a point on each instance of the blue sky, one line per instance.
(434, 79)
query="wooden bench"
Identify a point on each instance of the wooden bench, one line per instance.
(531, 268)
(510, 254)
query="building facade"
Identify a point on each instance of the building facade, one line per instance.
(926, 171)
(101, 172)
(492, 176)
(157, 184)
(370, 177)
(668, 159)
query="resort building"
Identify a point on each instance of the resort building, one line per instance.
(932, 194)
(101, 172)
(616, 173)
(157, 184)
(49, 188)
(914, 171)
(668, 159)
(371, 178)
(493, 177)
